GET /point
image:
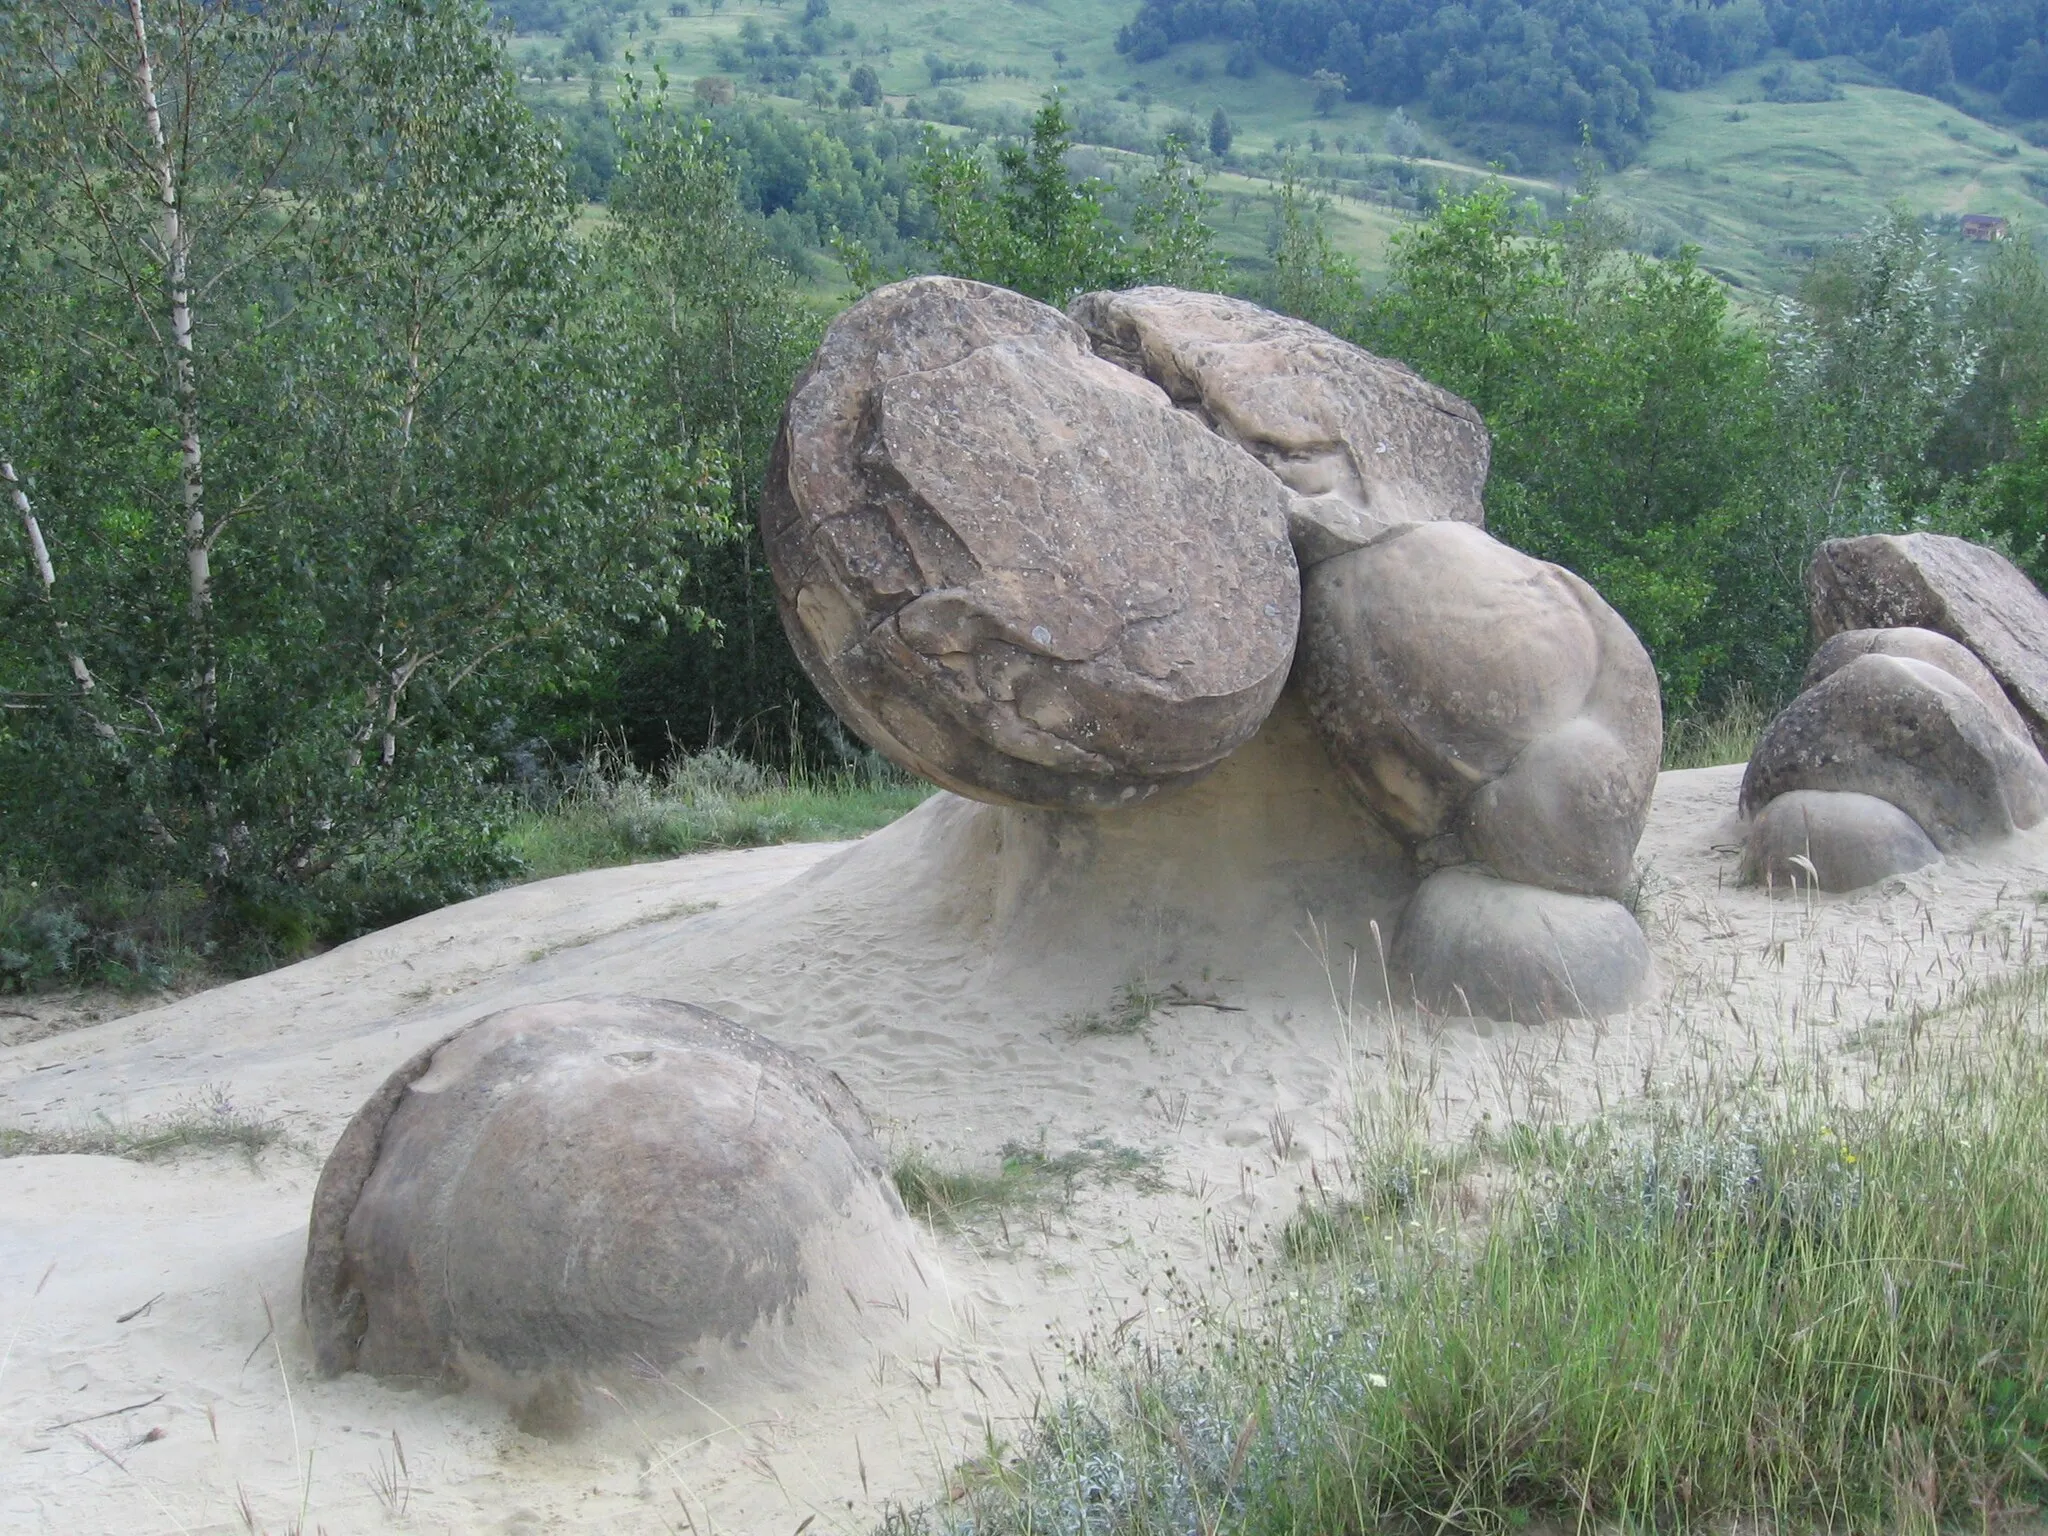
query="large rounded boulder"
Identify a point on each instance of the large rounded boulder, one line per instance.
(1018, 569)
(1487, 705)
(574, 1193)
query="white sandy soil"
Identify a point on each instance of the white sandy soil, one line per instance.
(939, 966)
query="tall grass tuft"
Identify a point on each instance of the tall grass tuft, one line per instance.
(1823, 1311)
(1728, 735)
(619, 813)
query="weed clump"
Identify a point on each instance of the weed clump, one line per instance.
(210, 1123)
(1024, 1177)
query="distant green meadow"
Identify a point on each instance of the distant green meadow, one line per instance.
(1757, 185)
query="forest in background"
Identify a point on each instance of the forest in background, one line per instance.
(1527, 80)
(362, 479)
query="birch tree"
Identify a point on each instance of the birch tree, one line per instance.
(328, 450)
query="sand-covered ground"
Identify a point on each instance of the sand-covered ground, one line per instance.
(945, 967)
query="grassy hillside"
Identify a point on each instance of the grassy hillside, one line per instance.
(1760, 186)
(1757, 185)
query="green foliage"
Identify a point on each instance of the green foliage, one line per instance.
(2010, 502)
(1521, 83)
(1311, 279)
(1028, 225)
(1025, 225)
(1727, 734)
(620, 814)
(1625, 411)
(1173, 241)
(401, 482)
(725, 340)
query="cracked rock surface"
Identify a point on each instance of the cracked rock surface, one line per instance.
(1018, 569)
(1364, 443)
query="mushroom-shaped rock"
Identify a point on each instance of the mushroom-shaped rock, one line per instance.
(1930, 581)
(1937, 650)
(1477, 696)
(1364, 443)
(568, 1193)
(1016, 568)
(1912, 734)
(1831, 840)
(1472, 944)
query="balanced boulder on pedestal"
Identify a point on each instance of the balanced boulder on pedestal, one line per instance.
(1069, 580)
(1916, 728)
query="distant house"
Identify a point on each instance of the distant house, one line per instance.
(1984, 226)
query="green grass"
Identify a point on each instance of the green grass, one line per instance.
(1728, 735)
(211, 1123)
(1024, 1177)
(1760, 187)
(1807, 1305)
(621, 815)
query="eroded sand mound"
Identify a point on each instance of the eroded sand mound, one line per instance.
(949, 970)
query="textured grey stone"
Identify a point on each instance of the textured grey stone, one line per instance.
(1476, 694)
(1931, 581)
(1364, 443)
(1472, 943)
(1850, 840)
(1911, 734)
(561, 1190)
(1937, 650)
(1015, 568)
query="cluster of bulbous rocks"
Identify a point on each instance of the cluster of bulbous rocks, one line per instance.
(1069, 561)
(1060, 561)
(1919, 725)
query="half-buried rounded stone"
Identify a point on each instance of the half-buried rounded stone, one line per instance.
(1473, 944)
(1916, 644)
(574, 1193)
(1016, 568)
(1829, 840)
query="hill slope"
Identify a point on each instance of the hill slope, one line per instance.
(1758, 184)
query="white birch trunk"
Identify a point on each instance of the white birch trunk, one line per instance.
(176, 250)
(46, 574)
